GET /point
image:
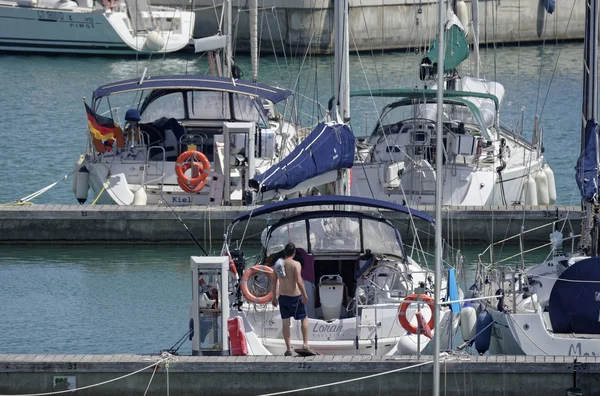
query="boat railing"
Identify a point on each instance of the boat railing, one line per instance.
(160, 174)
(489, 250)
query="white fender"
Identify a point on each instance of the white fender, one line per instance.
(529, 191)
(78, 166)
(463, 15)
(140, 197)
(541, 182)
(551, 184)
(154, 41)
(83, 185)
(468, 321)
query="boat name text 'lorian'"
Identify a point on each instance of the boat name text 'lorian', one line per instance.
(327, 328)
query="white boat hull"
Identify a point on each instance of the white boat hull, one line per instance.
(528, 334)
(338, 337)
(81, 30)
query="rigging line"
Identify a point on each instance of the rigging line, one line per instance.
(170, 31)
(281, 40)
(219, 19)
(557, 58)
(362, 11)
(273, 46)
(379, 119)
(184, 225)
(307, 53)
(350, 380)
(297, 82)
(537, 99)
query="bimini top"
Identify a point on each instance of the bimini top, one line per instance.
(331, 200)
(194, 82)
(426, 94)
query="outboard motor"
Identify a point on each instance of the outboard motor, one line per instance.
(239, 260)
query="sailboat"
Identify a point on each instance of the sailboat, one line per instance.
(484, 163)
(109, 27)
(552, 308)
(368, 292)
(189, 139)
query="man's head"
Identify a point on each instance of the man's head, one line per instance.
(289, 250)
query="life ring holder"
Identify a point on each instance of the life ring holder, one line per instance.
(421, 298)
(265, 269)
(199, 162)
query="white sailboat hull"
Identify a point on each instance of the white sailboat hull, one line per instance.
(528, 334)
(85, 30)
(338, 337)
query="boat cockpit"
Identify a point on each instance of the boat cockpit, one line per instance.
(348, 260)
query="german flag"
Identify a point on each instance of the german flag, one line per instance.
(102, 128)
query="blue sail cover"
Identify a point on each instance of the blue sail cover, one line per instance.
(586, 171)
(574, 303)
(549, 5)
(327, 148)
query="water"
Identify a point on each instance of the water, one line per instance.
(97, 300)
(135, 299)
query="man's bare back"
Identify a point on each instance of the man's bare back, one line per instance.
(288, 285)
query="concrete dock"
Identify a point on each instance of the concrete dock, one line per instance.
(260, 375)
(100, 224)
(295, 26)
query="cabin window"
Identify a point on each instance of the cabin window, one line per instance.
(335, 234)
(169, 106)
(292, 232)
(208, 105)
(244, 108)
(381, 237)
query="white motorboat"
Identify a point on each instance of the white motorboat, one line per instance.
(363, 284)
(113, 27)
(552, 308)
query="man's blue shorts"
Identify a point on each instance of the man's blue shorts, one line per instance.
(292, 306)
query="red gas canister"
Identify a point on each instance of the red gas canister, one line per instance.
(237, 336)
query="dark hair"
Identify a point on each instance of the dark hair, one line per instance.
(289, 249)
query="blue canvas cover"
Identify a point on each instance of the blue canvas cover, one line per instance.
(328, 147)
(586, 171)
(194, 82)
(549, 5)
(574, 304)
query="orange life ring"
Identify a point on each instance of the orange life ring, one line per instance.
(186, 161)
(424, 298)
(244, 284)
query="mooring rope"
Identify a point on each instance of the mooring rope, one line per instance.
(347, 381)
(166, 357)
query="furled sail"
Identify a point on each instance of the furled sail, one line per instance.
(587, 165)
(456, 50)
(328, 147)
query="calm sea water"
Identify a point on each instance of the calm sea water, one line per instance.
(96, 300)
(135, 299)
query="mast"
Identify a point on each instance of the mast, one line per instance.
(342, 53)
(438, 198)
(475, 14)
(254, 38)
(228, 51)
(589, 112)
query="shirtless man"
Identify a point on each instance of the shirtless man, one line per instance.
(292, 297)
